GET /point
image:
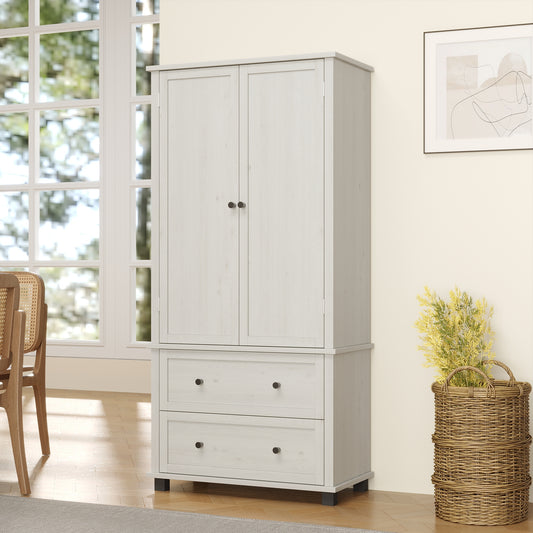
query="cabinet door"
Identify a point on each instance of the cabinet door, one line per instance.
(199, 239)
(282, 184)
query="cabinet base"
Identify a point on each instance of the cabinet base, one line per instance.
(329, 498)
(161, 484)
(361, 487)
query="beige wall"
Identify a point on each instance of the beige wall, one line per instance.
(115, 375)
(440, 220)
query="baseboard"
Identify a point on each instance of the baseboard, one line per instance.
(111, 375)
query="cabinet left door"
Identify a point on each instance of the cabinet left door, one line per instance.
(199, 246)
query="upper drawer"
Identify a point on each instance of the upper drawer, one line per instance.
(266, 384)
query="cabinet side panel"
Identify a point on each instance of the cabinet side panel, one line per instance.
(155, 274)
(351, 407)
(351, 197)
(155, 410)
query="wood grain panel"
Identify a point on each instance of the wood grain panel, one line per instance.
(279, 385)
(242, 447)
(282, 178)
(199, 254)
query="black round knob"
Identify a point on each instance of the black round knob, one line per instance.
(199, 444)
(199, 381)
(276, 385)
(276, 450)
(241, 204)
(231, 205)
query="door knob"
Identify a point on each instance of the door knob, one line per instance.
(231, 205)
(198, 381)
(276, 384)
(199, 445)
(276, 450)
(241, 204)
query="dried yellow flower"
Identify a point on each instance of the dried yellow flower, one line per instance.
(456, 333)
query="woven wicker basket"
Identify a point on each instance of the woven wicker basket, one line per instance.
(482, 450)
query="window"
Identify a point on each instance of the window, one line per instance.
(75, 187)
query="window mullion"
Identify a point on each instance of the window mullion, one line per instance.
(33, 132)
(68, 26)
(34, 196)
(22, 31)
(116, 171)
(33, 51)
(145, 19)
(140, 267)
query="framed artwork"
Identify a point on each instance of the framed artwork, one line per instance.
(477, 89)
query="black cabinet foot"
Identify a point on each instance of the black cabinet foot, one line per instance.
(361, 487)
(161, 484)
(329, 498)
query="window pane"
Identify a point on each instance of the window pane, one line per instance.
(72, 295)
(58, 11)
(143, 123)
(69, 65)
(69, 225)
(143, 304)
(70, 145)
(13, 14)
(147, 53)
(143, 223)
(14, 71)
(147, 7)
(14, 156)
(14, 226)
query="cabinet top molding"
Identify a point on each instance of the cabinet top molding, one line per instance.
(275, 59)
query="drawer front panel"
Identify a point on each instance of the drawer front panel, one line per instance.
(280, 385)
(256, 448)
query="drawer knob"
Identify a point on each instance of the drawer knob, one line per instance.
(231, 205)
(199, 381)
(276, 450)
(276, 385)
(199, 444)
(241, 204)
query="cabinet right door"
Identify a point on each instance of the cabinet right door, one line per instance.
(282, 185)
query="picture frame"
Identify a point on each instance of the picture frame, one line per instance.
(478, 90)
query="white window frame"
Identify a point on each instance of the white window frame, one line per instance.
(118, 184)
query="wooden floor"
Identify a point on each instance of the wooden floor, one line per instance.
(100, 446)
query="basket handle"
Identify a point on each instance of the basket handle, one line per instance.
(512, 380)
(490, 386)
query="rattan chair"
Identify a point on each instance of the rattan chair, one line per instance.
(12, 322)
(32, 302)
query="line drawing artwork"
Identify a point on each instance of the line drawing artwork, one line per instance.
(490, 99)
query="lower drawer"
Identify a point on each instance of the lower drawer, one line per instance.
(245, 447)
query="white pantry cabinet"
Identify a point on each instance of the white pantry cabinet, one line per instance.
(261, 290)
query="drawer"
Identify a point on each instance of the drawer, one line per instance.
(264, 384)
(243, 447)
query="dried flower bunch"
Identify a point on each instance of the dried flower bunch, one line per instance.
(456, 333)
